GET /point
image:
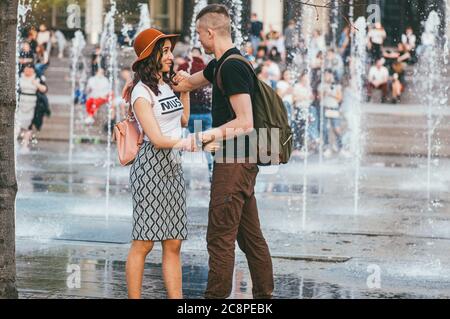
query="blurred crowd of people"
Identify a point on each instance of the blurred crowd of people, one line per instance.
(312, 76)
(34, 58)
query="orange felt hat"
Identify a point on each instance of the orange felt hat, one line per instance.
(146, 41)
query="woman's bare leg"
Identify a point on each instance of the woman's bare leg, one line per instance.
(172, 271)
(135, 267)
(27, 136)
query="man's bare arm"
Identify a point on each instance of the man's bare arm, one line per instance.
(242, 124)
(188, 83)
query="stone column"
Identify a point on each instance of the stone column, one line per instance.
(270, 12)
(94, 20)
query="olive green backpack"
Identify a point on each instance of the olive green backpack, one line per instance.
(268, 113)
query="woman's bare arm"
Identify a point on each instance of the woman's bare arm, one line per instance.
(144, 112)
(185, 100)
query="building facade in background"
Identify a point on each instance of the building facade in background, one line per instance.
(176, 15)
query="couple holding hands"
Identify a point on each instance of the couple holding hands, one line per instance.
(157, 182)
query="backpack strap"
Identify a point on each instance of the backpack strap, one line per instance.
(238, 57)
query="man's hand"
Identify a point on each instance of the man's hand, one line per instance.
(211, 147)
(205, 137)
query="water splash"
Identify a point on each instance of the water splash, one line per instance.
(359, 59)
(199, 5)
(446, 36)
(309, 12)
(109, 51)
(145, 21)
(432, 90)
(78, 45)
(22, 12)
(236, 9)
(335, 23)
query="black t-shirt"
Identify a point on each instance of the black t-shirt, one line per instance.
(237, 78)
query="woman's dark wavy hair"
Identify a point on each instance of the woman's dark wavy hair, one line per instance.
(147, 72)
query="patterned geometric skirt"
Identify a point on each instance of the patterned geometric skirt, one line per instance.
(159, 195)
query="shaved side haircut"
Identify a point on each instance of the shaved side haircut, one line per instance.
(215, 17)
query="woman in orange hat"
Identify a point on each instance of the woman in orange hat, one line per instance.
(156, 176)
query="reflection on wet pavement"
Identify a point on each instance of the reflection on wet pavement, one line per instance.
(324, 251)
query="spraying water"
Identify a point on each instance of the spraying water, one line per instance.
(307, 35)
(430, 85)
(109, 50)
(359, 58)
(236, 17)
(22, 12)
(335, 23)
(78, 44)
(199, 5)
(446, 37)
(144, 19)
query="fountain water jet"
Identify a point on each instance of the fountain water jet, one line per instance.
(109, 50)
(430, 67)
(145, 21)
(22, 12)
(359, 59)
(78, 44)
(236, 9)
(199, 5)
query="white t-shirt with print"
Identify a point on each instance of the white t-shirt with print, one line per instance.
(167, 108)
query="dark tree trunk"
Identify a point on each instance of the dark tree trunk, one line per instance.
(8, 183)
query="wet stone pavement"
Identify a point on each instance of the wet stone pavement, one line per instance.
(394, 246)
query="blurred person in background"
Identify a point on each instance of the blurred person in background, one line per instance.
(378, 80)
(303, 111)
(334, 62)
(61, 41)
(291, 41)
(29, 87)
(98, 92)
(43, 36)
(285, 90)
(376, 37)
(331, 95)
(256, 32)
(26, 56)
(42, 60)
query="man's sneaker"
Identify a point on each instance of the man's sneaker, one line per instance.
(89, 120)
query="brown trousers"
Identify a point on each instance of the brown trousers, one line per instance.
(233, 215)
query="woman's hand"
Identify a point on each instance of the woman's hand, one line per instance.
(188, 144)
(181, 76)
